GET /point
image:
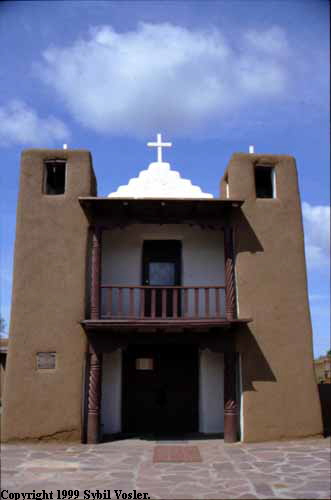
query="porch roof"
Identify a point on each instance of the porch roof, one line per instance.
(158, 210)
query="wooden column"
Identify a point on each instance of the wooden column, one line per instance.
(230, 403)
(96, 272)
(95, 358)
(94, 397)
(230, 290)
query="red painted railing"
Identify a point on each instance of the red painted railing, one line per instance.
(162, 302)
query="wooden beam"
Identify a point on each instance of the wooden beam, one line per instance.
(147, 322)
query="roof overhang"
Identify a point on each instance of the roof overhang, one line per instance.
(158, 210)
(155, 325)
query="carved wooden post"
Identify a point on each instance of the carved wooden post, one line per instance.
(230, 404)
(230, 285)
(94, 397)
(96, 273)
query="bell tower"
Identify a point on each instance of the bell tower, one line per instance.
(46, 342)
(276, 347)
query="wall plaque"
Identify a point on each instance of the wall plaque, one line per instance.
(46, 360)
(144, 364)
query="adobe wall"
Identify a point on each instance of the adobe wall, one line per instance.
(48, 302)
(280, 397)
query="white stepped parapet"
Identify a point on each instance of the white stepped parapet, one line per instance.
(159, 181)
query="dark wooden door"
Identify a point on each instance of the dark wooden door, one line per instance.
(164, 398)
(161, 267)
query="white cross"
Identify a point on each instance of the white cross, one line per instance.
(159, 145)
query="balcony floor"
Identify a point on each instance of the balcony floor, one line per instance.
(148, 324)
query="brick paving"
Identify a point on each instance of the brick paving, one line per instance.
(293, 469)
(176, 453)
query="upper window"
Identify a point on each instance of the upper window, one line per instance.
(265, 181)
(227, 189)
(55, 176)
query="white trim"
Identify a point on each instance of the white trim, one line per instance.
(211, 391)
(159, 181)
(111, 392)
(274, 184)
(241, 399)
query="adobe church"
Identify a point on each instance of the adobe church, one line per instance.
(159, 310)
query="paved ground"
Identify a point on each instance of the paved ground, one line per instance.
(296, 469)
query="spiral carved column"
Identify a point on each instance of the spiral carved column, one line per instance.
(94, 398)
(230, 403)
(230, 286)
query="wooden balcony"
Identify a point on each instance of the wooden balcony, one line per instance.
(162, 303)
(124, 307)
(129, 307)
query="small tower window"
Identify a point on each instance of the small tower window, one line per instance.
(264, 181)
(55, 175)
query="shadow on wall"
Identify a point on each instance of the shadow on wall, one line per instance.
(245, 236)
(325, 398)
(255, 366)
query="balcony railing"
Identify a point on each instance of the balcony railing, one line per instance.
(163, 302)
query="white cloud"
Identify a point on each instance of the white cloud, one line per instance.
(316, 220)
(271, 41)
(162, 76)
(20, 124)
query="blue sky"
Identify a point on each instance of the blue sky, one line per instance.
(213, 77)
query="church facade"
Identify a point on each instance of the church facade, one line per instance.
(159, 310)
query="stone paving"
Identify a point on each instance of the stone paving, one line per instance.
(292, 469)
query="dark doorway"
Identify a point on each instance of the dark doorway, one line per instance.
(161, 268)
(160, 390)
